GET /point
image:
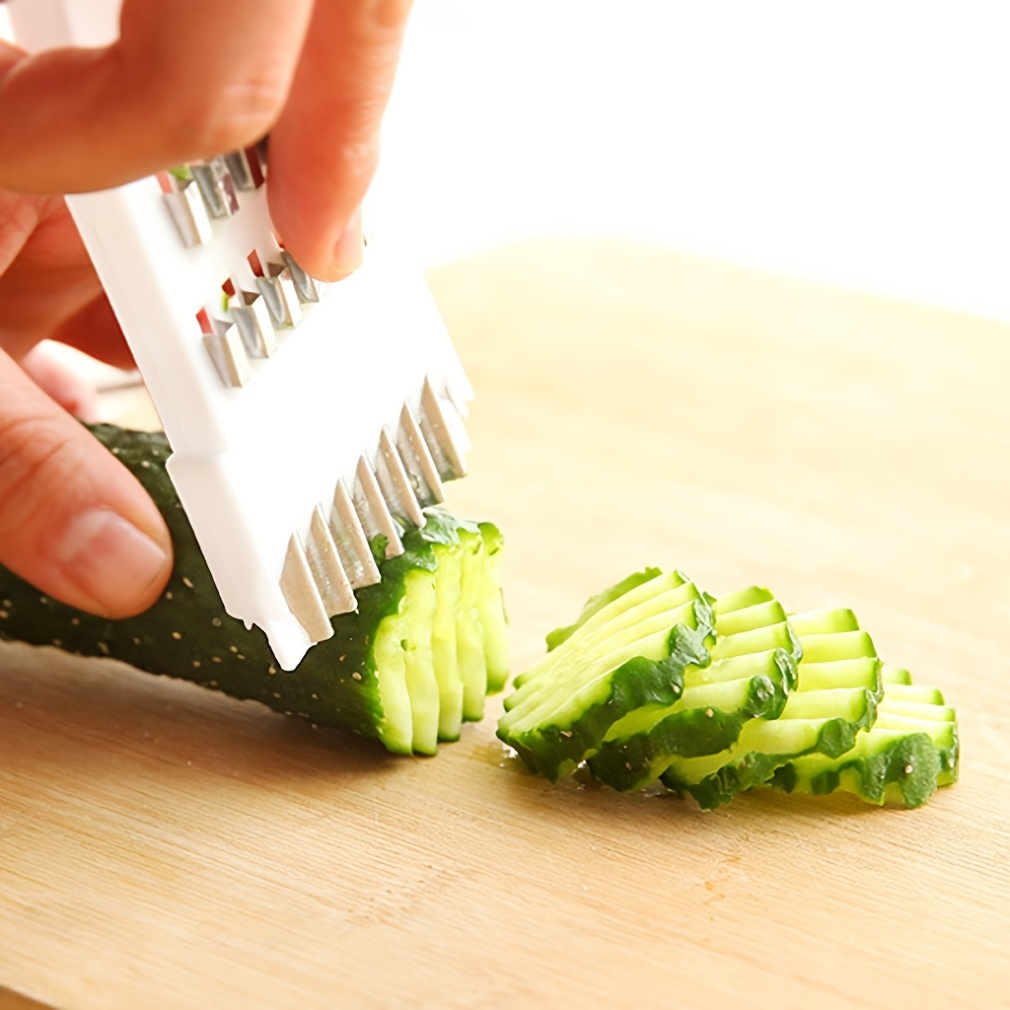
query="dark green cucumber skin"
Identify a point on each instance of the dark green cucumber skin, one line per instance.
(692, 732)
(878, 771)
(716, 790)
(553, 750)
(188, 635)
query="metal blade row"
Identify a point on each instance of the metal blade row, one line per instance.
(204, 191)
(247, 324)
(321, 573)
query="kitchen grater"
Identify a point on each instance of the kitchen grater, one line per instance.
(305, 419)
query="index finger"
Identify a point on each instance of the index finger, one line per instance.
(325, 146)
(187, 79)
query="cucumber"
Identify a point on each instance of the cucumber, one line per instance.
(837, 695)
(646, 683)
(598, 602)
(406, 669)
(910, 750)
(629, 652)
(752, 670)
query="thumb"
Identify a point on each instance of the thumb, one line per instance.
(73, 521)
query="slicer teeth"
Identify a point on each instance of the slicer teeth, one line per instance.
(308, 289)
(372, 510)
(241, 170)
(229, 357)
(216, 187)
(301, 594)
(351, 541)
(252, 317)
(439, 433)
(327, 571)
(395, 484)
(281, 297)
(188, 211)
(418, 460)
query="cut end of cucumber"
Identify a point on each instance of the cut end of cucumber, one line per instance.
(407, 668)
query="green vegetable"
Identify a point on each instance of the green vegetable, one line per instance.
(801, 702)
(416, 659)
(752, 671)
(837, 694)
(630, 652)
(910, 749)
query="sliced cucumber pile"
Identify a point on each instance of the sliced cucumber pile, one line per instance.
(752, 670)
(798, 702)
(627, 652)
(426, 645)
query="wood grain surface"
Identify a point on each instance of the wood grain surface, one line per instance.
(163, 847)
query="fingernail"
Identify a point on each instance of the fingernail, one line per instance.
(350, 248)
(110, 560)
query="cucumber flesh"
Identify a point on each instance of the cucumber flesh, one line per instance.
(469, 630)
(491, 609)
(598, 602)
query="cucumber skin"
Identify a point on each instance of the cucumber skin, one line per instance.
(692, 732)
(188, 635)
(877, 778)
(755, 769)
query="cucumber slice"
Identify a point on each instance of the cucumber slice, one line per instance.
(491, 609)
(836, 696)
(629, 652)
(752, 670)
(910, 750)
(410, 649)
(598, 602)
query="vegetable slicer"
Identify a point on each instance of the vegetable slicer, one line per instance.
(310, 423)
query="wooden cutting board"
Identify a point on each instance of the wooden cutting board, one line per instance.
(163, 847)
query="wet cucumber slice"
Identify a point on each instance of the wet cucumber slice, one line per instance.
(837, 694)
(752, 670)
(383, 674)
(910, 750)
(630, 651)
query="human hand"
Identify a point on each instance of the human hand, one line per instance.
(187, 80)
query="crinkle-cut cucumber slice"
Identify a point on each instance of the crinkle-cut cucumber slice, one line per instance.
(910, 750)
(491, 608)
(469, 630)
(630, 652)
(648, 613)
(378, 676)
(753, 669)
(598, 602)
(822, 715)
(445, 657)
(651, 600)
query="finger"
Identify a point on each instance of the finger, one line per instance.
(48, 287)
(60, 384)
(95, 330)
(186, 80)
(73, 521)
(325, 146)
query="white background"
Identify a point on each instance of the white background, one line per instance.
(861, 143)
